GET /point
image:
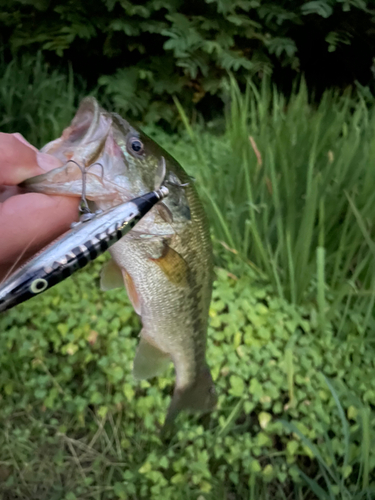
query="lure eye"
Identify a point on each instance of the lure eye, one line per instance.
(38, 285)
(135, 146)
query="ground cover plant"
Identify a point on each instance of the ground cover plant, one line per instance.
(294, 373)
(76, 425)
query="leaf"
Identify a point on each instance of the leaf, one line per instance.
(264, 419)
(255, 388)
(237, 386)
(322, 8)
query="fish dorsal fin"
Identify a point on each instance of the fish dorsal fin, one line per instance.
(132, 292)
(111, 276)
(149, 360)
(173, 265)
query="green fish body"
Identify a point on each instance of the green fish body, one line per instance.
(165, 264)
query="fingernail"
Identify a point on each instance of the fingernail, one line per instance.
(47, 162)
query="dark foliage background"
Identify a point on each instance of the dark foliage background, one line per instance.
(142, 53)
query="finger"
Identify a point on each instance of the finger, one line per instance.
(20, 160)
(31, 221)
(21, 138)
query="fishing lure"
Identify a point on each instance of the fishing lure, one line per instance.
(87, 239)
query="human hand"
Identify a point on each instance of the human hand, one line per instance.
(28, 221)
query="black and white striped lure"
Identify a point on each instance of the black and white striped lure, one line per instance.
(72, 251)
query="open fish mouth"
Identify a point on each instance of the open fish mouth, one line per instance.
(67, 180)
(86, 145)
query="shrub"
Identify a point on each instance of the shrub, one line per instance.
(155, 50)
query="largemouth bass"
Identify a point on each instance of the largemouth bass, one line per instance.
(165, 262)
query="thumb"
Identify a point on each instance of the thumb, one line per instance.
(19, 160)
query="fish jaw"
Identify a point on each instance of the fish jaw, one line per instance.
(86, 146)
(68, 180)
(84, 139)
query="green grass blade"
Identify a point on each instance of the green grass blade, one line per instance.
(321, 285)
(366, 443)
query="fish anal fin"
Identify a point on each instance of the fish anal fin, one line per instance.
(111, 276)
(132, 292)
(149, 360)
(173, 265)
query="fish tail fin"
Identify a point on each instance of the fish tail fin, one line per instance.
(169, 423)
(199, 397)
(149, 361)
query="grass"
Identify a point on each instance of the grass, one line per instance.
(334, 474)
(291, 188)
(36, 100)
(290, 197)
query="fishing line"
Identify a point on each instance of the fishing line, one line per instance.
(17, 261)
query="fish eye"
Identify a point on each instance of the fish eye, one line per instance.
(38, 285)
(135, 145)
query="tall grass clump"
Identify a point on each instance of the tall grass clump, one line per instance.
(35, 100)
(291, 187)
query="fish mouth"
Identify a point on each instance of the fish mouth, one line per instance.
(68, 180)
(86, 150)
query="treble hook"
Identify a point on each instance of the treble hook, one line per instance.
(83, 206)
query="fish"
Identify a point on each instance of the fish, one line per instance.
(165, 263)
(75, 249)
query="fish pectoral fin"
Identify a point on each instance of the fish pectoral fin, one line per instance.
(111, 276)
(132, 291)
(173, 265)
(149, 360)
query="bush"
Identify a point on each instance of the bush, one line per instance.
(153, 51)
(76, 423)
